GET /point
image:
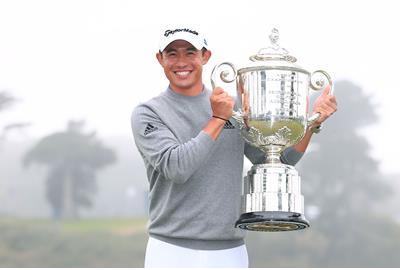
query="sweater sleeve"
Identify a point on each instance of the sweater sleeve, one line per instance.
(174, 160)
(289, 156)
(255, 155)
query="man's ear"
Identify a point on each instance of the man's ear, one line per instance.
(159, 58)
(206, 56)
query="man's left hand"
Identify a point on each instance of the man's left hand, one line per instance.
(325, 105)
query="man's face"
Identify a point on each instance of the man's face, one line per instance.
(183, 66)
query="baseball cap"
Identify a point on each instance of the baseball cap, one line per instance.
(187, 34)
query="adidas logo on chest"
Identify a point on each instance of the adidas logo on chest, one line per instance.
(229, 125)
(149, 129)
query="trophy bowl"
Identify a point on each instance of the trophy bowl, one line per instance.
(272, 97)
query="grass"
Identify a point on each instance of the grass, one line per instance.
(43, 243)
(83, 243)
(106, 225)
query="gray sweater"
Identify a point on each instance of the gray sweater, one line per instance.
(195, 182)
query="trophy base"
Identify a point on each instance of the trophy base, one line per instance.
(272, 221)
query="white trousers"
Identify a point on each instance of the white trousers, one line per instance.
(161, 254)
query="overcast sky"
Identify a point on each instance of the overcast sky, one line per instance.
(95, 60)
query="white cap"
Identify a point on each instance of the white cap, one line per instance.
(189, 35)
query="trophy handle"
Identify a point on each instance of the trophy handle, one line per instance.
(319, 79)
(225, 75)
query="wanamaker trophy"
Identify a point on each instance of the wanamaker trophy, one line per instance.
(272, 97)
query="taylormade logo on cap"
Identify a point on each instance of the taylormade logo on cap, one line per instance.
(171, 32)
(189, 35)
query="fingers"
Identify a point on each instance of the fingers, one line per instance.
(221, 103)
(325, 110)
(219, 93)
(329, 105)
(332, 100)
(217, 90)
(223, 98)
(325, 105)
(324, 114)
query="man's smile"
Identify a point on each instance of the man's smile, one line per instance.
(182, 74)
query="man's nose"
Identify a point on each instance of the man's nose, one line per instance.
(181, 60)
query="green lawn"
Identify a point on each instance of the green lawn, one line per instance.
(121, 243)
(83, 243)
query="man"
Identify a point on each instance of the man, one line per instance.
(193, 154)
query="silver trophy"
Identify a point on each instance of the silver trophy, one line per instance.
(272, 96)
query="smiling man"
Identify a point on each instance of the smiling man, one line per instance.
(193, 154)
(182, 64)
(194, 178)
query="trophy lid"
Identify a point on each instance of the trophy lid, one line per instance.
(272, 57)
(274, 51)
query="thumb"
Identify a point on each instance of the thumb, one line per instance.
(327, 90)
(217, 90)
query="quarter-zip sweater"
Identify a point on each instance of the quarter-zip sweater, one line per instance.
(195, 183)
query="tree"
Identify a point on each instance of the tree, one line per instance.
(343, 180)
(6, 101)
(340, 177)
(72, 158)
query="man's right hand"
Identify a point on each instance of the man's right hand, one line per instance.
(221, 103)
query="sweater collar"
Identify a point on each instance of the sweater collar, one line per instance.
(171, 93)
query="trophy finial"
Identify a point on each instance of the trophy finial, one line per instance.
(274, 36)
(274, 51)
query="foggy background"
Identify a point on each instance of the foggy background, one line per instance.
(73, 190)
